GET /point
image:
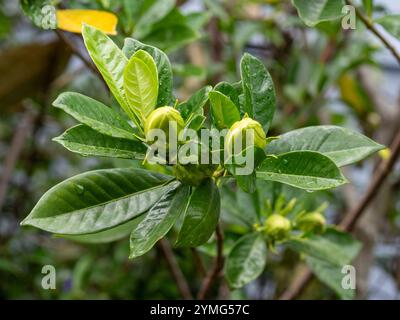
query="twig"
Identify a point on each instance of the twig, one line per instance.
(198, 261)
(384, 168)
(175, 270)
(218, 265)
(75, 50)
(13, 154)
(375, 31)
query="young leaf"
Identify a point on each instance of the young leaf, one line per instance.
(88, 142)
(223, 110)
(230, 91)
(149, 61)
(333, 246)
(106, 236)
(165, 96)
(302, 169)
(158, 221)
(391, 23)
(98, 200)
(341, 145)
(73, 19)
(258, 90)
(195, 103)
(140, 86)
(246, 261)
(111, 63)
(202, 215)
(313, 12)
(96, 115)
(40, 12)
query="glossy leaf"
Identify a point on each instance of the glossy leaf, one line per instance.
(88, 142)
(165, 96)
(341, 145)
(246, 261)
(223, 110)
(202, 215)
(258, 90)
(195, 103)
(230, 91)
(110, 235)
(333, 246)
(41, 12)
(111, 63)
(158, 221)
(391, 23)
(302, 169)
(196, 123)
(98, 200)
(313, 12)
(141, 86)
(73, 19)
(96, 115)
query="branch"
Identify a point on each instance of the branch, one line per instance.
(218, 265)
(370, 26)
(350, 219)
(174, 269)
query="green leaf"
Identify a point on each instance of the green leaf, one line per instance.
(313, 12)
(106, 236)
(247, 182)
(111, 63)
(171, 38)
(158, 221)
(196, 123)
(202, 215)
(195, 103)
(391, 23)
(95, 115)
(302, 169)
(341, 145)
(230, 91)
(331, 275)
(155, 11)
(223, 110)
(246, 261)
(88, 142)
(41, 15)
(258, 90)
(165, 96)
(333, 246)
(149, 61)
(141, 87)
(98, 200)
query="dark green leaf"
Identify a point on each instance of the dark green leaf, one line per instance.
(88, 142)
(158, 221)
(258, 90)
(246, 261)
(230, 91)
(98, 200)
(195, 103)
(341, 145)
(95, 115)
(223, 110)
(313, 12)
(302, 169)
(201, 216)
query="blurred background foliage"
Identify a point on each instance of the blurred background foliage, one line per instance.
(322, 75)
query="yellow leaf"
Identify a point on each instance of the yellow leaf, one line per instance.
(72, 20)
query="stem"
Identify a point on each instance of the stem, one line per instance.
(350, 219)
(218, 265)
(174, 269)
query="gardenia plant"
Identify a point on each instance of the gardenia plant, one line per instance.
(106, 205)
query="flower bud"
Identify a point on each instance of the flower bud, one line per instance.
(160, 118)
(237, 135)
(277, 227)
(312, 222)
